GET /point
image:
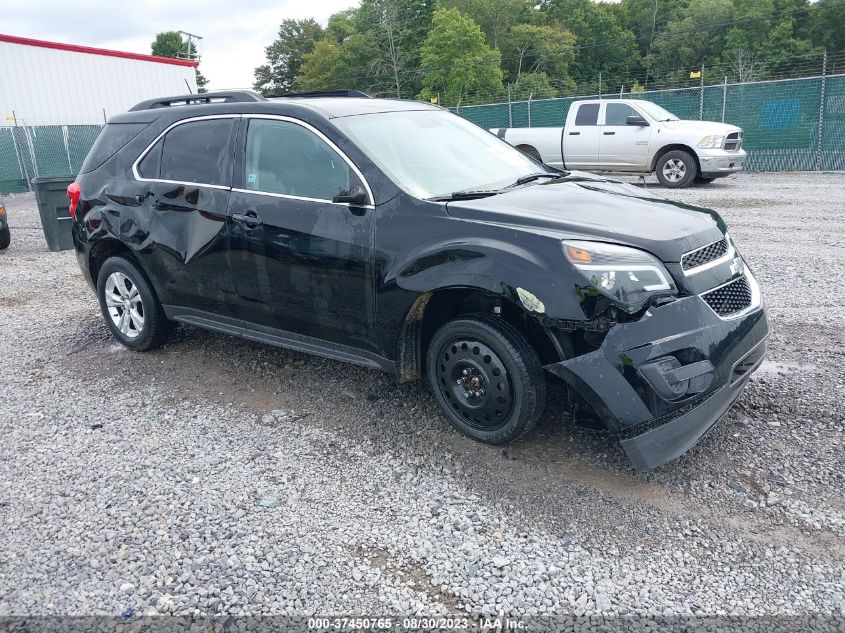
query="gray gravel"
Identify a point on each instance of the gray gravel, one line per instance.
(217, 476)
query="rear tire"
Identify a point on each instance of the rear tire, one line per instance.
(5, 238)
(486, 378)
(676, 169)
(130, 306)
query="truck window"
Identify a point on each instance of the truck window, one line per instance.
(588, 114)
(618, 113)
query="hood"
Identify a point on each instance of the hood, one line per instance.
(586, 207)
(704, 127)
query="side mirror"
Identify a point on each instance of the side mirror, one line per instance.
(356, 196)
(636, 119)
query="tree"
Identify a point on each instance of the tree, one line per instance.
(495, 17)
(603, 44)
(533, 48)
(457, 63)
(533, 86)
(171, 44)
(826, 25)
(286, 54)
(694, 38)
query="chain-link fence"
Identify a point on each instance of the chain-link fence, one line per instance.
(789, 124)
(42, 151)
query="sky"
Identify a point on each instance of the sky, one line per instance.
(234, 33)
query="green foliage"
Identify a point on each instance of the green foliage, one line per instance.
(285, 56)
(534, 86)
(462, 50)
(171, 44)
(457, 63)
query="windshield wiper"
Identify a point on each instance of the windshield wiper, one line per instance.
(469, 194)
(532, 177)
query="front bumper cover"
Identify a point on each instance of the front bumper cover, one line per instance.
(655, 430)
(715, 163)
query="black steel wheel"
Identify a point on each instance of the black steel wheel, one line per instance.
(486, 378)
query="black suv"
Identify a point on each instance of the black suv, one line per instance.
(396, 235)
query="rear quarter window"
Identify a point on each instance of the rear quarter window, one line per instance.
(110, 141)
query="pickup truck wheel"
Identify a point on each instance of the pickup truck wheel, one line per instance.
(486, 378)
(676, 169)
(5, 237)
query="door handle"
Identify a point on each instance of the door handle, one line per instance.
(250, 219)
(574, 133)
(609, 133)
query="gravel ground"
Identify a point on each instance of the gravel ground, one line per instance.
(218, 476)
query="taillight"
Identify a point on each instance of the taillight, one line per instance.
(73, 193)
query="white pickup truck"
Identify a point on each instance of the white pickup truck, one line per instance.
(634, 136)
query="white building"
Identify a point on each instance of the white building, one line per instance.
(48, 83)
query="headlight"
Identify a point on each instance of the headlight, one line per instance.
(714, 141)
(629, 276)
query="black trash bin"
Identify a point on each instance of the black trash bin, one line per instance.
(51, 195)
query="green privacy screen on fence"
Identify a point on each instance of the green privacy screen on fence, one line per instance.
(789, 124)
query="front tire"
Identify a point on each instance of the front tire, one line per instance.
(129, 305)
(5, 238)
(676, 169)
(486, 378)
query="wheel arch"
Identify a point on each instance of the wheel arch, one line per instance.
(670, 148)
(105, 248)
(529, 150)
(435, 307)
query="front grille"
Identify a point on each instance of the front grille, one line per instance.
(705, 254)
(733, 141)
(730, 298)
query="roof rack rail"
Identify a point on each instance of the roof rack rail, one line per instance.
(226, 96)
(324, 93)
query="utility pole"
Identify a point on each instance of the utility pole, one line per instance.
(701, 99)
(190, 36)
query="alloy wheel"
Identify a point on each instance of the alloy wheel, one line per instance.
(124, 305)
(674, 170)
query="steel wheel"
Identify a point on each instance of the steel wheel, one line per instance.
(674, 170)
(475, 384)
(123, 301)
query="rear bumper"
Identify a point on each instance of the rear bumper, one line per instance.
(625, 382)
(718, 163)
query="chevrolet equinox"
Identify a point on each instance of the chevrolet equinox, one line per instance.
(399, 236)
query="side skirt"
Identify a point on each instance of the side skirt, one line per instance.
(280, 338)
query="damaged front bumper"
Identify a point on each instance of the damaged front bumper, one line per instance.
(663, 381)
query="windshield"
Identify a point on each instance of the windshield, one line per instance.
(434, 153)
(656, 112)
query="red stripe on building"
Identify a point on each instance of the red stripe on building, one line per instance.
(25, 41)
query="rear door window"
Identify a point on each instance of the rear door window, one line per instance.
(286, 158)
(198, 152)
(588, 114)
